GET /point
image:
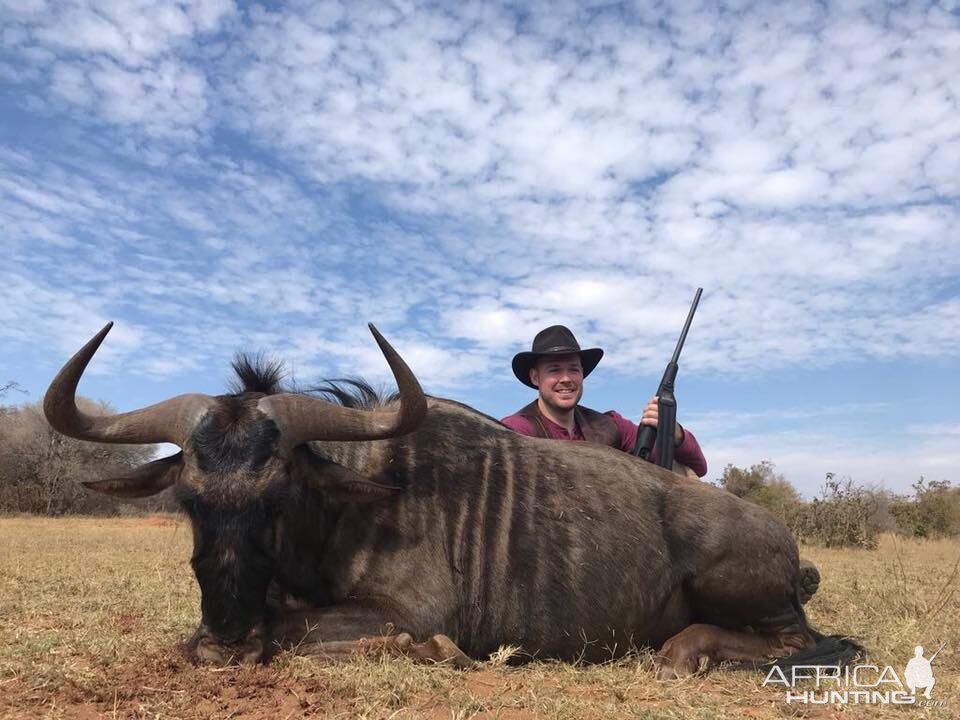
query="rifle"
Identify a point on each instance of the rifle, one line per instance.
(666, 405)
(934, 656)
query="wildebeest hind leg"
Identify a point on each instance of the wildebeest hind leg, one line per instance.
(698, 646)
(342, 633)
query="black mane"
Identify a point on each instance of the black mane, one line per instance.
(353, 392)
(257, 374)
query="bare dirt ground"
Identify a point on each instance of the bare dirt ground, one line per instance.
(92, 613)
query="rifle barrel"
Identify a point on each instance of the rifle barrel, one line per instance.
(686, 326)
(933, 657)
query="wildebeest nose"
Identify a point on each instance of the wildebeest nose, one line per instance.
(245, 650)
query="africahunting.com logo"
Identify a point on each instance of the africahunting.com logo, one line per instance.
(859, 684)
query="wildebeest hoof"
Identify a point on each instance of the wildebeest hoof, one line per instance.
(666, 672)
(809, 581)
(402, 642)
(441, 649)
(685, 667)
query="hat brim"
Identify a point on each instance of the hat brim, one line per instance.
(522, 362)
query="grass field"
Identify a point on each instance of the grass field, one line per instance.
(92, 613)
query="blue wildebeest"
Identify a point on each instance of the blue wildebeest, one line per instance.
(329, 527)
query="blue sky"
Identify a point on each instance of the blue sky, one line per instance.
(216, 176)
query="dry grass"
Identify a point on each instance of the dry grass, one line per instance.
(92, 611)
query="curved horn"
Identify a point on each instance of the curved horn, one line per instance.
(301, 418)
(169, 421)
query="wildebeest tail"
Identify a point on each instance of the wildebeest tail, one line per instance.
(830, 650)
(836, 650)
(827, 650)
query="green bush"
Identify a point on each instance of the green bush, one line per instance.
(762, 485)
(843, 515)
(933, 511)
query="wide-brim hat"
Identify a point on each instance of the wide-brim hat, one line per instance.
(554, 340)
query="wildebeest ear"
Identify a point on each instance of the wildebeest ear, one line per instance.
(146, 480)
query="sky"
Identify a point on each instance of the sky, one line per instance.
(217, 176)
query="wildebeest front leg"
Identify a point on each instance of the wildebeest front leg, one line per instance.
(342, 633)
(698, 646)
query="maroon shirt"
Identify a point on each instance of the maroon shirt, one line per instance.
(687, 452)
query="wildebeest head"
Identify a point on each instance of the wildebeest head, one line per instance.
(241, 458)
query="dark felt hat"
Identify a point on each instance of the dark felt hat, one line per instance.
(554, 340)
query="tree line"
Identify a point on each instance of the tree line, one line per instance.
(41, 470)
(845, 514)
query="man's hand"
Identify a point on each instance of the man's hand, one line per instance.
(649, 417)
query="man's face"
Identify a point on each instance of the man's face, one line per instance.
(559, 379)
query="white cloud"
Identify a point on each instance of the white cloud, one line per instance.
(132, 33)
(934, 428)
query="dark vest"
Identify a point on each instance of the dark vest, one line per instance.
(595, 426)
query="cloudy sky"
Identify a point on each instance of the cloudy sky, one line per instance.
(216, 176)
